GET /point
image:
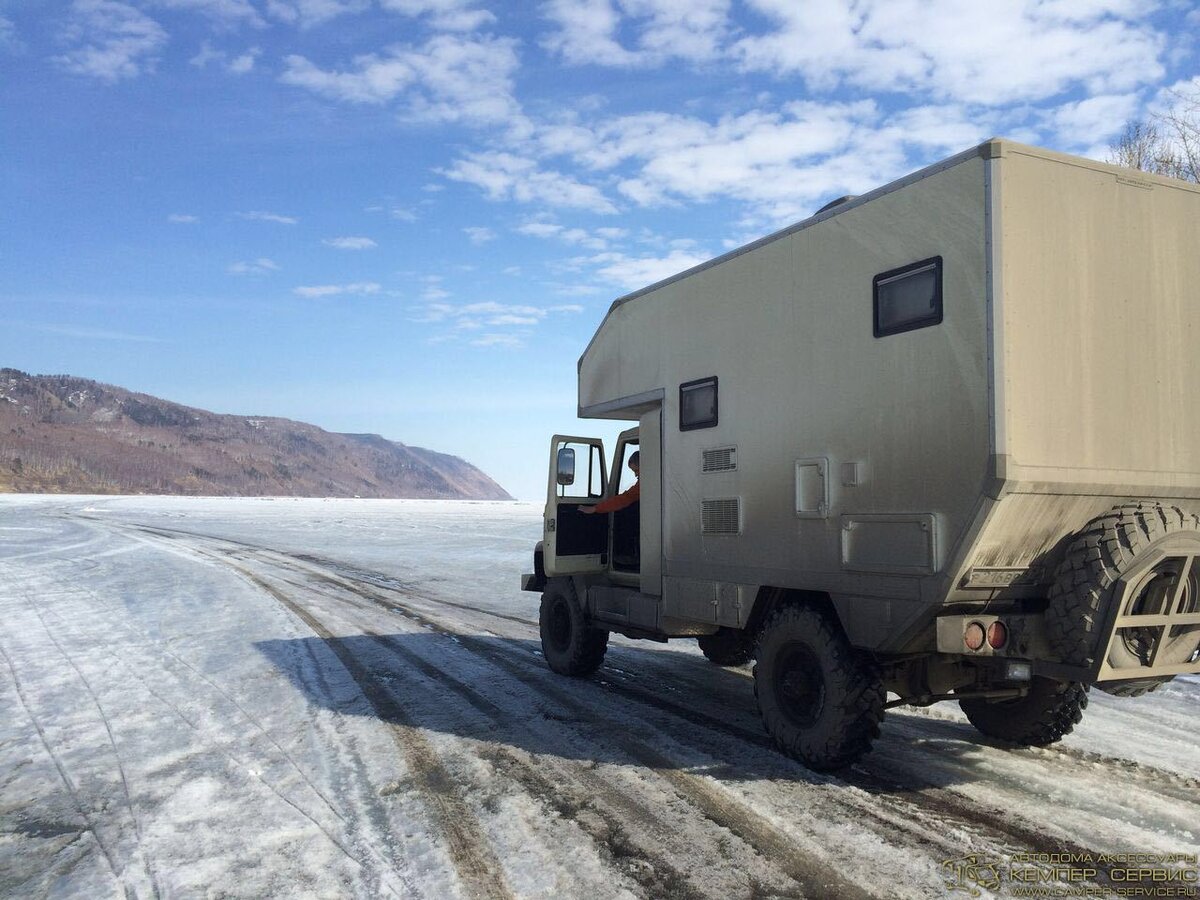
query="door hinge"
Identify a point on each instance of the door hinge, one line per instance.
(549, 524)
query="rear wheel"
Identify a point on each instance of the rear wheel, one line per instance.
(569, 644)
(1048, 712)
(820, 699)
(728, 647)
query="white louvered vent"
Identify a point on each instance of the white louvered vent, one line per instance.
(720, 459)
(721, 516)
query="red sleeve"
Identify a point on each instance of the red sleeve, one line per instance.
(622, 500)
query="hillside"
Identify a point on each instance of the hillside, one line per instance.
(60, 434)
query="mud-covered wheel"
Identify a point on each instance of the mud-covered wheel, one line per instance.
(570, 645)
(820, 699)
(1107, 550)
(728, 647)
(1049, 711)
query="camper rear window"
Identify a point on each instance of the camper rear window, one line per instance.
(698, 404)
(909, 297)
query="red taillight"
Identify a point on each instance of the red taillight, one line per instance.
(997, 635)
(973, 637)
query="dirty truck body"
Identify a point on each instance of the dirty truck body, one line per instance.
(969, 397)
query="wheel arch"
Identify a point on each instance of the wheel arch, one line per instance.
(768, 599)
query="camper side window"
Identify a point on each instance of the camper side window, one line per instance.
(698, 404)
(909, 297)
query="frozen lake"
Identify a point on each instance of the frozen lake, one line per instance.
(296, 697)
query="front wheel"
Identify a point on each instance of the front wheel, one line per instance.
(1048, 712)
(820, 699)
(570, 645)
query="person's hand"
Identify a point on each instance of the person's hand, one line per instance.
(587, 510)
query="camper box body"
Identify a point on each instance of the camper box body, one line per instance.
(929, 470)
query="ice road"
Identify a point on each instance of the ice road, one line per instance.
(282, 698)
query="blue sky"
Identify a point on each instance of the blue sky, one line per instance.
(408, 216)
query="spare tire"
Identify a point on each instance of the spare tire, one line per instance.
(1108, 549)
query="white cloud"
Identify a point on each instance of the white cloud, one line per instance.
(182, 219)
(506, 176)
(260, 266)
(433, 290)
(539, 229)
(450, 78)
(358, 288)
(778, 162)
(238, 65)
(479, 234)
(473, 317)
(587, 31)
(1183, 93)
(637, 272)
(498, 340)
(1091, 121)
(447, 15)
(579, 237)
(244, 63)
(111, 41)
(226, 11)
(261, 216)
(1012, 51)
(306, 13)
(400, 213)
(350, 243)
(9, 42)
(205, 55)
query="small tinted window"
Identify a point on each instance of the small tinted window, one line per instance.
(909, 297)
(698, 404)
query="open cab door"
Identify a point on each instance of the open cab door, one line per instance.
(574, 543)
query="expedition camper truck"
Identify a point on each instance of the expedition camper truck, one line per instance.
(941, 440)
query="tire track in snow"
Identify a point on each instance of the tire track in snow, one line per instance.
(814, 876)
(990, 823)
(139, 854)
(614, 809)
(764, 839)
(879, 781)
(384, 873)
(470, 851)
(251, 772)
(72, 790)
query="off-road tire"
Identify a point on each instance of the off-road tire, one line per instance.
(569, 644)
(1083, 589)
(827, 725)
(1133, 687)
(728, 647)
(1049, 711)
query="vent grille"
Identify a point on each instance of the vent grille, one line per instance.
(721, 516)
(720, 459)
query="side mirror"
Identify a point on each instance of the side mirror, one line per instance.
(566, 466)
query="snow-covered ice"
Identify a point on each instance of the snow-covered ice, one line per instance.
(282, 697)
